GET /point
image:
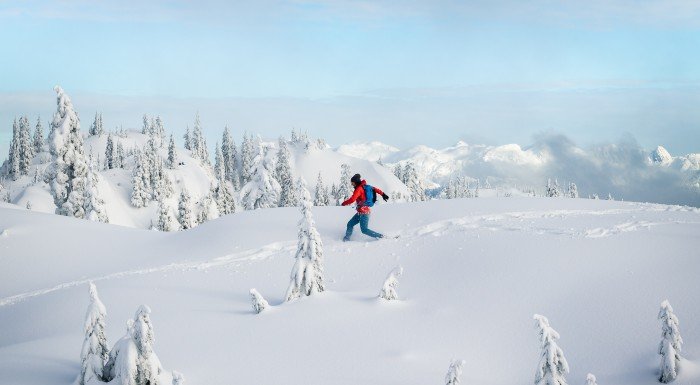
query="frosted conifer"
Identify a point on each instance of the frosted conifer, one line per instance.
(184, 210)
(283, 174)
(95, 352)
(38, 136)
(454, 372)
(388, 291)
(553, 366)
(307, 273)
(259, 303)
(321, 197)
(172, 153)
(671, 343)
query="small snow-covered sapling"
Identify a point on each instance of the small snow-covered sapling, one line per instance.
(388, 291)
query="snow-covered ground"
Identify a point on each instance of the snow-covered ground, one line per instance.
(475, 272)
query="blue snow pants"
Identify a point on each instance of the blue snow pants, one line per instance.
(363, 220)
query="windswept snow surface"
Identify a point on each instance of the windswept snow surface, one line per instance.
(474, 273)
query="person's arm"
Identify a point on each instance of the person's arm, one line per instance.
(380, 192)
(353, 198)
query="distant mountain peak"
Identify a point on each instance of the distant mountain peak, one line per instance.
(660, 155)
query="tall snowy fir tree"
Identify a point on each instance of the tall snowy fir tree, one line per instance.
(247, 158)
(38, 136)
(94, 204)
(172, 154)
(199, 144)
(148, 367)
(671, 343)
(188, 139)
(14, 158)
(26, 146)
(184, 210)
(552, 190)
(262, 191)
(552, 366)
(95, 352)
(146, 128)
(109, 152)
(119, 156)
(159, 131)
(97, 128)
(321, 197)
(398, 172)
(344, 188)
(166, 222)
(225, 201)
(413, 182)
(230, 155)
(307, 273)
(69, 168)
(219, 167)
(573, 190)
(283, 174)
(140, 191)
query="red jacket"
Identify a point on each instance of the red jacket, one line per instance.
(359, 197)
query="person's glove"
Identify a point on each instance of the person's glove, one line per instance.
(385, 197)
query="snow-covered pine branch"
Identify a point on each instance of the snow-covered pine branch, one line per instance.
(671, 343)
(258, 301)
(388, 291)
(95, 352)
(552, 366)
(454, 372)
(307, 273)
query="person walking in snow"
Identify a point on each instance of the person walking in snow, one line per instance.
(365, 196)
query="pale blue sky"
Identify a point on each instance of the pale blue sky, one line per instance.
(403, 72)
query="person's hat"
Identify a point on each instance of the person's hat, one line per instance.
(356, 178)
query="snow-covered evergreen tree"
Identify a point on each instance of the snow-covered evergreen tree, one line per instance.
(172, 154)
(591, 380)
(344, 188)
(259, 303)
(95, 352)
(207, 208)
(14, 158)
(119, 156)
(26, 146)
(262, 191)
(199, 144)
(225, 201)
(413, 182)
(146, 128)
(159, 131)
(37, 176)
(148, 367)
(109, 152)
(247, 158)
(321, 197)
(188, 139)
(69, 168)
(97, 128)
(38, 136)
(230, 155)
(139, 191)
(388, 291)
(166, 222)
(184, 210)
(552, 189)
(398, 172)
(454, 372)
(573, 190)
(671, 343)
(610, 197)
(307, 273)
(451, 190)
(552, 366)
(94, 204)
(219, 167)
(283, 174)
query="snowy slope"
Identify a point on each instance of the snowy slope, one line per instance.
(475, 271)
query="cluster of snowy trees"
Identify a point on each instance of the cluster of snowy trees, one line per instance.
(131, 361)
(408, 175)
(24, 145)
(461, 188)
(72, 179)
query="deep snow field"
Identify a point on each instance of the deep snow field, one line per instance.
(475, 272)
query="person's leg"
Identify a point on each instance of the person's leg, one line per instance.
(351, 223)
(364, 223)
